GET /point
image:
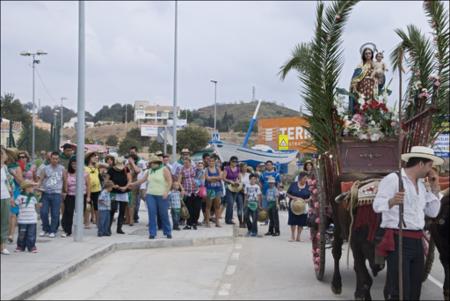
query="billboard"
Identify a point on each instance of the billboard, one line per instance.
(149, 130)
(269, 130)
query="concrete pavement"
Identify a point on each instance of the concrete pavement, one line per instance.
(249, 268)
(25, 274)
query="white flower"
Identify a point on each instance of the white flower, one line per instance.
(363, 136)
(375, 137)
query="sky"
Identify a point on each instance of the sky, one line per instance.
(130, 49)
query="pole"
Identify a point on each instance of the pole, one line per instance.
(215, 106)
(250, 126)
(62, 120)
(174, 143)
(33, 123)
(80, 126)
(165, 140)
(253, 93)
(126, 118)
(401, 221)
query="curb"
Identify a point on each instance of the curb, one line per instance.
(71, 268)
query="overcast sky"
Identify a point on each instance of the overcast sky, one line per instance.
(130, 46)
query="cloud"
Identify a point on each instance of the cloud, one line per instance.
(130, 48)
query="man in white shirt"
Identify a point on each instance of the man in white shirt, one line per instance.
(420, 198)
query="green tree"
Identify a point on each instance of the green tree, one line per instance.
(42, 140)
(193, 137)
(112, 140)
(126, 143)
(135, 133)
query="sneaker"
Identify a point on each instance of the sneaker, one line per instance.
(52, 235)
(17, 250)
(151, 237)
(34, 250)
(169, 236)
(187, 228)
(268, 234)
(176, 228)
(120, 232)
(195, 227)
(5, 251)
(276, 234)
(63, 235)
(42, 234)
(253, 235)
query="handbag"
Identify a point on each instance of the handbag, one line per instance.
(202, 192)
(184, 212)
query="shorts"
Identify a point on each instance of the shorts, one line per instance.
(214, 193)
(94, 199)
(14, 210)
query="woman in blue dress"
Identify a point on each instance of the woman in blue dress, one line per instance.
(298, 189)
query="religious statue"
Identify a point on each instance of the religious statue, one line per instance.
(379, 68)
(364, 84)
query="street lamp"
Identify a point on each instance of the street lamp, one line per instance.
(56, 133)
(174, 132)
(215, 103)
(62, 119)
(33, 132)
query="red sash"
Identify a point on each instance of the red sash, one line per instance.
(387, 243)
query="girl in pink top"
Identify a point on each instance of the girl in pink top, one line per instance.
(69, 200)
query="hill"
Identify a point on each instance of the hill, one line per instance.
(236, 116)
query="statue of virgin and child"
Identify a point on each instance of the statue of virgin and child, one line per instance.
(369, 78)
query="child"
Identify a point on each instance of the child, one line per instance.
(379, 71)
(272, 207)
(104, 209)
(27, 218)
(253, 199)
(175, 196)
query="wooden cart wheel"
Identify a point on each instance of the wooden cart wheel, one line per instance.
(318, 224)
(429, 247)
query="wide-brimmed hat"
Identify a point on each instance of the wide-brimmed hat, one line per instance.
(271, 180)
(12, 153)
(185, 151)
(89, 155)
(298, 206)
(422, 152)
(26, 183)
(119, 164)
(154, 158)
(262, 215)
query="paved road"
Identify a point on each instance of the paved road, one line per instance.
(251, 268)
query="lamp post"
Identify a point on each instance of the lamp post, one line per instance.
(55, 131)
(62, 119)
(174, 133)
(215, 103)
(33, 132)
(79, 199)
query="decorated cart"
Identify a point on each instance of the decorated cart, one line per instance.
(361, 143)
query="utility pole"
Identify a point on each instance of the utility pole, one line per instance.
(33, 126)
(79, 199)
(215, 103)
(175, 117)
(62, 119)
(126, 117)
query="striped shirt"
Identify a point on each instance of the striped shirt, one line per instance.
(27, 213)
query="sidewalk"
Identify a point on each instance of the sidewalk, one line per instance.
(25, 274)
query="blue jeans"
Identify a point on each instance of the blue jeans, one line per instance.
(240, 206)
(157, 205)
(175, 217)
(251, 218)
(27, 237)
(230, 198)
(50, 201)
(103, 223)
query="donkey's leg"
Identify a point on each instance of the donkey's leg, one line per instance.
(336, 283)
(363, 280)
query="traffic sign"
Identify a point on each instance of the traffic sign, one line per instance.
(283, 142)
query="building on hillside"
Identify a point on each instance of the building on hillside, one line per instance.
(154, 114)
(4, 134)
(72, 123)
(104, 122)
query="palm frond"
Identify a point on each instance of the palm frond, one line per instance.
(300, 60)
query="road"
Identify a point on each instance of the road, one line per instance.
(250, 268)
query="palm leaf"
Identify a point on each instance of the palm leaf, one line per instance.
(300, 60)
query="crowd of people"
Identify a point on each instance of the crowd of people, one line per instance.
(176, 195)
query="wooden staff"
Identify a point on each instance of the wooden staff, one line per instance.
(401, 221)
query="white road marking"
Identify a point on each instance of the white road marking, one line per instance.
(238, 246)
(230, 270)
(435, 281)
(235, 256)
(225, 289)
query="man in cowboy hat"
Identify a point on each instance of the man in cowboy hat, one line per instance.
(419, 198)
(178, 165)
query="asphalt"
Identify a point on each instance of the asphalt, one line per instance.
(25, 274)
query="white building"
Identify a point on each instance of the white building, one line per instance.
(155, 114)
(4, 134)
(72, 123)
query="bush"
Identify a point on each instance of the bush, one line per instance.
(112, 140)
(126, 143)
(192, 137)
